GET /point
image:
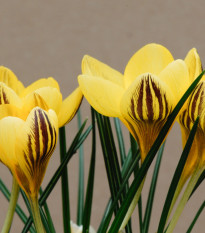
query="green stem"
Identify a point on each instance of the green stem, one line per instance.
(36, 214)
(12, 206)
(176, 195)
(184, 199)
(132, 206)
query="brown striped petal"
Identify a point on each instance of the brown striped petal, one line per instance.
(145, 106)
(9, 96)
(34, 146)
(196, 105)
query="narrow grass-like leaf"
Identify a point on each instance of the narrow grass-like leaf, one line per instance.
(127, 170)
(44, 221)
(147, 162)
(18, 209)
(151, 194)
(120, 140)
(72, 150)
(90, 185)
(135, 149)
(64, 183)
(48, 216)
(176, 178)
(201, 178)
(109, 169)
(196, 217)
(81, 178)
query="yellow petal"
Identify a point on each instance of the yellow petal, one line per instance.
(151, 58)
(93, 67)
(35, 144)
(196, 105)
(11, 110)
(9, 127)
(104, 96)
(69, 107)
(44, 82)
(51, 96)
(176, 76)
(10, 79)
(193, 63)
(9, 96)
(33, 100)
(145, 106)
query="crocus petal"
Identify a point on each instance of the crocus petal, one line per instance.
(93, 67)
(52, 97)
(193, 63)
(9, 126)
(186, 125)
(176, 76)
(10, 79)
(104, 96)
(151, 58)
(33, 100)
(44, 82)
(145, 106)
(12, 110)
(196, 105)
(69, 107)
(34, 146)
(9, 96)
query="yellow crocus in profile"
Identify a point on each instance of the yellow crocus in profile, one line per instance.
(192, 109)
(27, 144)
(143, 97)
(44, 93)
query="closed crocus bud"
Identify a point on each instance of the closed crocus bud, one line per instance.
(193, 108)
(27, 145)
(143, 97)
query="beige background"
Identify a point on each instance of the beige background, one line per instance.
(49, 38)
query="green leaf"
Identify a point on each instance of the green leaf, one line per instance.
(81, 179)
(48, 216)
(107, 157)
(120, 140)
(90, 185)
(196, 217)
(176, 178)
(151, 194)
(201, 178)
(64, 183)
(147, 162)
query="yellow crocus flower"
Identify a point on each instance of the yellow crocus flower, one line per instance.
(46, 90)
(143, 97)
(27, 145)
(194, 107)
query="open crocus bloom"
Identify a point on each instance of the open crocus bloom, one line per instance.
(27, 145)
(143, 97)
(44, 93)
(193, 109)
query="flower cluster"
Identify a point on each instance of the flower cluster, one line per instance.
(143, 98)
(145, 95)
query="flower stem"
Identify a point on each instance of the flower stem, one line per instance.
(12, 206)
(184, 199)
(33, 200)
(132, 206)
